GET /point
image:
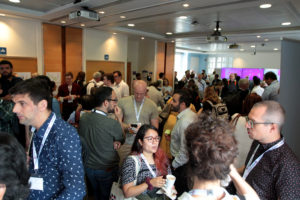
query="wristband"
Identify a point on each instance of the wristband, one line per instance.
(150, 186)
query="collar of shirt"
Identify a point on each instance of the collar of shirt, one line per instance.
(182, 113)
(40, 133)
(269, 145)
(119, 85)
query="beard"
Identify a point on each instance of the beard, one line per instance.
(7, 75)
(175, 108)
(110, 110)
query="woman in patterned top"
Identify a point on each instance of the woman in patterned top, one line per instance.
(212, 149)
(152, 163)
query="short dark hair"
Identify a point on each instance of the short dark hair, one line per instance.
(110, 77)
(13, 170)
(270, 75)
(161, 75)
(87, 102)
(256, 80)
(36, 88)
(185, 96)
(211, 148)
(6, 62)
(101, 94)
(118, 72)
(69, 74)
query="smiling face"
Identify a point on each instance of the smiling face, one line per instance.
(25, 109)
(150, 141)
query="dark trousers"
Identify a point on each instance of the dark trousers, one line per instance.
(101, 181)
(181, 183)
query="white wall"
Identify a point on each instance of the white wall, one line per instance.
(98, 43)
(260, 60)
(133, 54)
(146, 57)
(22, 38)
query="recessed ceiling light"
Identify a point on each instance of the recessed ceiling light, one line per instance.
(2, 14)
(63, 21)
(15, 1)
(266, 40)
(172, 41)
(185, 5)
(252, 46)
(266, 5)
(122, 17)
(242, 49)
(115, 33)
(131, 25)
(275, 49)
(82, 24)
(102, 12)
(142, 38)
(183, 17)
(169, 33)
(258, 36)
(286, 23)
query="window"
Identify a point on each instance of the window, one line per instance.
(218, 62)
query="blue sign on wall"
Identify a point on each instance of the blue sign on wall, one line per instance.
(106, 57)
(3, 51)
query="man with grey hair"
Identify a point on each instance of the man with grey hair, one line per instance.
(272, 169)
(95, 82)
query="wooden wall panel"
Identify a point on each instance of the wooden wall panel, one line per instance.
(170, 57)
(106, 66)
(22, 64)
(73, 50)
(52, 48)
(160, 58)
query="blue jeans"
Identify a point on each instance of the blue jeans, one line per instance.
(101, 181)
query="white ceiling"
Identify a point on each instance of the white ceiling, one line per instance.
(241, 20)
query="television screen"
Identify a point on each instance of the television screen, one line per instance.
(250, 72)
(225, 72)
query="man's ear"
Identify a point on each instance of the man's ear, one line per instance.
(42, 105)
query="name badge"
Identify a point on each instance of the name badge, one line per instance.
(36, 183)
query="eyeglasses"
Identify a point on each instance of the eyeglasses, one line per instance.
(251, 122)
(115, 100)
(152, 139)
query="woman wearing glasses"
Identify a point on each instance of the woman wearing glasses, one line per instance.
(142, 173)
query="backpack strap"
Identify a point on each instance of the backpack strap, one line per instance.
(210, 103)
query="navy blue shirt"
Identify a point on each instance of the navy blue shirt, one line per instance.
(60, 162)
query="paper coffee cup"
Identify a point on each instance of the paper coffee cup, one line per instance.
(169, 183)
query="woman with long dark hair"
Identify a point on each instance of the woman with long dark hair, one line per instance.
(14, 174)
(152, 166)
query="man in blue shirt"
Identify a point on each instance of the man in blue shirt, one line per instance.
(55, 151)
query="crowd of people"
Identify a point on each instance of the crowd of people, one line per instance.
(220, 139)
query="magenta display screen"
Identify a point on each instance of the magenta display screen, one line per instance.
(243, 72)
(253, 72)
(225, 72)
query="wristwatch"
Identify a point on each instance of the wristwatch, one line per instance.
(150, 186)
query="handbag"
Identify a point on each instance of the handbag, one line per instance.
(116, 192)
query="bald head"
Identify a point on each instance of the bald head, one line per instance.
(140, 90)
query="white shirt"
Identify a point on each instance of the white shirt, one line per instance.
(92, 83)
(258, 90)
(121, 89)
(178, 143)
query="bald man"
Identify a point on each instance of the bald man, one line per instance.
(137, 110)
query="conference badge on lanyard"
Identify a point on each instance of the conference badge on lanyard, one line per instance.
(36, 181)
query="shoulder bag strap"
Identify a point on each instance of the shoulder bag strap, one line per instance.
(137, 167)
